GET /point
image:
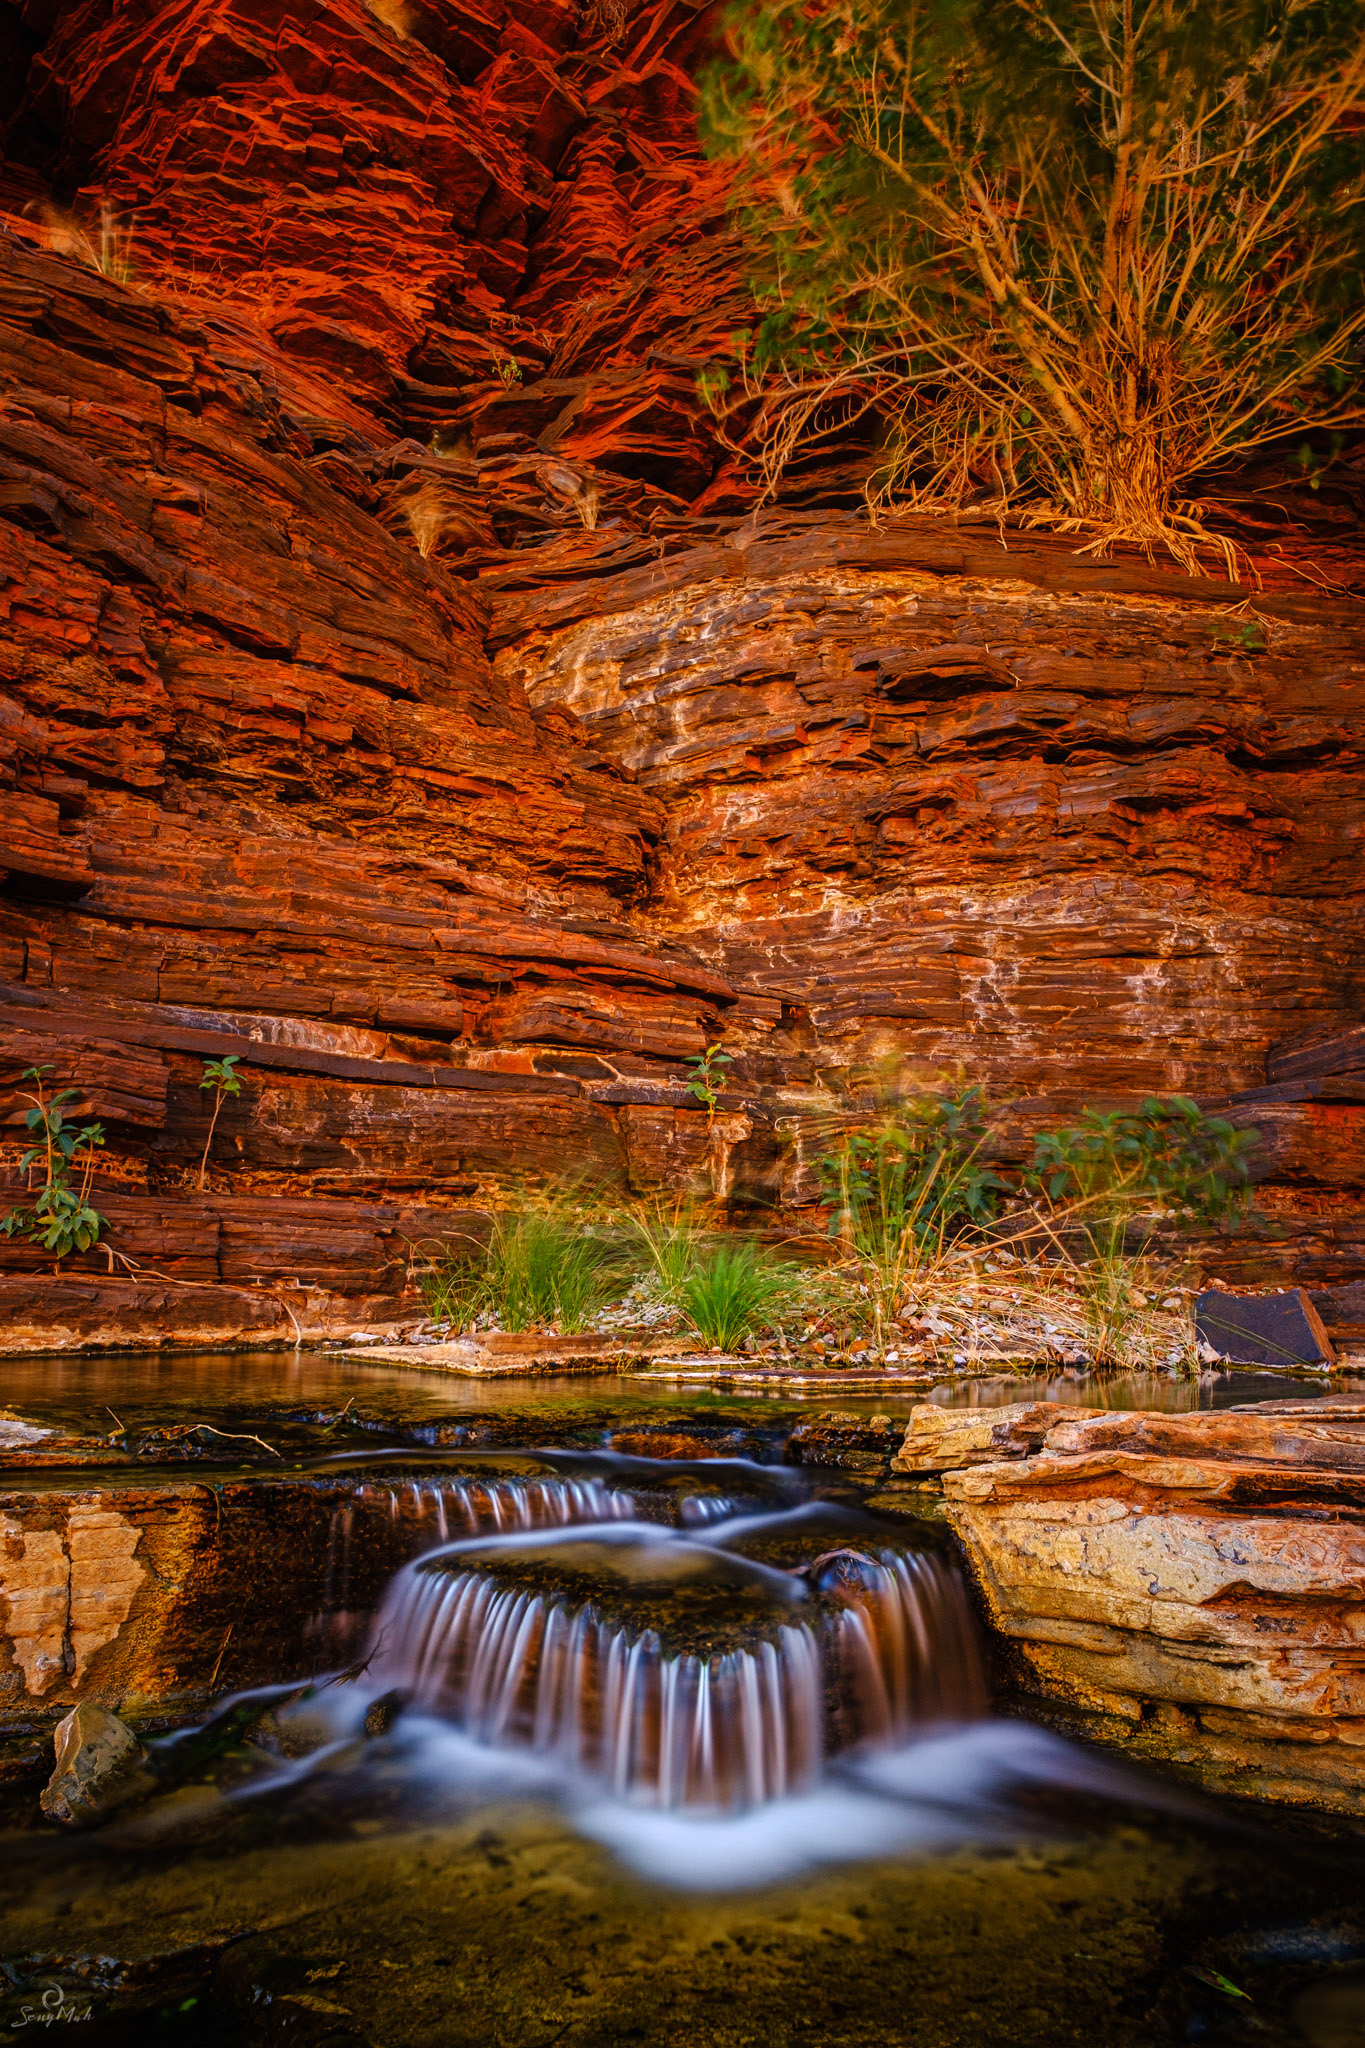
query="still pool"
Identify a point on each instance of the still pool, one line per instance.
(95, 1394)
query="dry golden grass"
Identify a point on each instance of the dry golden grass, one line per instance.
(1072, 259)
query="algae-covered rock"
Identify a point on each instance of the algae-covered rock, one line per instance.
(100, 1765)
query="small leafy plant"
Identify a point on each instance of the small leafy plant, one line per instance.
(902, 1191)
(221, 1076)
(61, 1218)
(918, 1171)
(1110, 1169)
(708, 1077)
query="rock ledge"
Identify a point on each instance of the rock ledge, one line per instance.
(1190, 1585)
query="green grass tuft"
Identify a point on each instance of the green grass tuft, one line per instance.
(539, 1271)
(732, 1292)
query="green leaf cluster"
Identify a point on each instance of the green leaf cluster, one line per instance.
(919, 1171)
(708, 1076)
(1164, 1155)
(61, 1218)
(221, 1075)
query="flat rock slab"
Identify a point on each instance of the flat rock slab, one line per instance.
(1262, 1329)
(731, 1372)
(503, 1355)
(18, 1435)
(87, 1312)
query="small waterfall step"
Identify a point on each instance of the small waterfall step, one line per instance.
(672, 1670)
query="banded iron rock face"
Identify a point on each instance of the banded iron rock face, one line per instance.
(399, 690)
(129, 1595)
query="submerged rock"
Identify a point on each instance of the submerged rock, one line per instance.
(100, 1765)
(292, 1729)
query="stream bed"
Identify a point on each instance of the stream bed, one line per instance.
(641, 1734)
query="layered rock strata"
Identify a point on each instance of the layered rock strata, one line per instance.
(128, 1593)
(399, 691)
(1191, 1587)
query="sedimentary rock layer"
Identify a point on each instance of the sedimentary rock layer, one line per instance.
(400, 692)
(1191, 1586)
(130, 1593)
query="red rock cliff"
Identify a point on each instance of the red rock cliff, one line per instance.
(399, 691)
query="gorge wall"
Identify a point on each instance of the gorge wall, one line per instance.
(402, 690)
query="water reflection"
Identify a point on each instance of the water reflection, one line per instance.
(137, 1390)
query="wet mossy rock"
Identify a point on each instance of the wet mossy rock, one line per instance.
(695, 1600)
(151, 1598)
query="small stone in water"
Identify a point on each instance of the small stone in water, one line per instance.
(100, 1764)
(381, 1714)
(290, 1731)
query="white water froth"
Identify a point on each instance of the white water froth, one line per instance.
(851, 1725)
(892, 1649)
(955, 1788)
(679, 1730)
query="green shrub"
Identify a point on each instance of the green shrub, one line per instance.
(1167, 1155)
(1102, 1175)
(917, 1173)
(727, 1289)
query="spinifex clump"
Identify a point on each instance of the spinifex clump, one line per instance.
(1071, 264)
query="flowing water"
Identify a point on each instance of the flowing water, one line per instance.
(595, 1647)
(669, 1751)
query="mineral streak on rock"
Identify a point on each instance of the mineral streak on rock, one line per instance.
(1192, 1586)
(399, 691)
